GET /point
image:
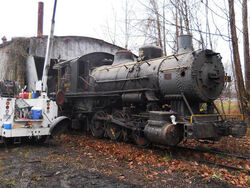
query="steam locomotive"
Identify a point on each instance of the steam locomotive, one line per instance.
(156, 99)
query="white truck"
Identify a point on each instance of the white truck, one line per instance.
(33, 118)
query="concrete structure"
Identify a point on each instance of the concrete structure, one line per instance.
(20, 56)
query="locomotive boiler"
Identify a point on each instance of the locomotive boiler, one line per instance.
(154, 99)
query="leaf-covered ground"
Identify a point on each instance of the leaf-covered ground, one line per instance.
(79, 160)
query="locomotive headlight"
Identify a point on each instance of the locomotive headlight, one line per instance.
(173, 118)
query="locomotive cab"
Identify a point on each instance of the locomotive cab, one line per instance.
(75, 74)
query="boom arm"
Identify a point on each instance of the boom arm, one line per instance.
(48, 51)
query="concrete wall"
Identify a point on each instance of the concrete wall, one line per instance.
(68, 47)
(14, 54)
(5, 64)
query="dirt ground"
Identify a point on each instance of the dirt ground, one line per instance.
(79, 160)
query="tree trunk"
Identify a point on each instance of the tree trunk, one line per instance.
(176, 26)
(208, 28)
(239, 77)
(185, 15)
(158, 24)
(164, 29)
(246, 52)
(246, 45)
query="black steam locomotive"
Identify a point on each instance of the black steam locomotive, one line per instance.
(155, 99)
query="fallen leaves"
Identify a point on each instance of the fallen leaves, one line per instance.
(121, 177)
(154, 164)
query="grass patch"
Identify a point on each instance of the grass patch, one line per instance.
(216, 176)
(12, 182)
(220, 156)
(230, 107)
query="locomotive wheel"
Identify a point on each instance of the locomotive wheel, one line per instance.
(125, 135)
(114, 131)
(97, 126)
(125, 132)
(139, 139)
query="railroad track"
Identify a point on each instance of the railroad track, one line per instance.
(183, 149)
(204, 150)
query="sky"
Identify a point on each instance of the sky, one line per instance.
(73, 17)
(91, 18)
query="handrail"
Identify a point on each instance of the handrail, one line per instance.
(140, 62)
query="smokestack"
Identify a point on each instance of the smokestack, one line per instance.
(185, 43)
(40, 20)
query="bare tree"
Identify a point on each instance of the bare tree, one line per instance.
(176, 27)
(164, 29)
(185, 13)
(208, 27)
(158, 24)
(246, 47)
(126, 25)
(237, 64)
(110, 31)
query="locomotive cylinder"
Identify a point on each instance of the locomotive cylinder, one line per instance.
(161, 130)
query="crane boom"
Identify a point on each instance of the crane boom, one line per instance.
(48, 51)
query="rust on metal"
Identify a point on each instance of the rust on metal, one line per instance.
(40, 20)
